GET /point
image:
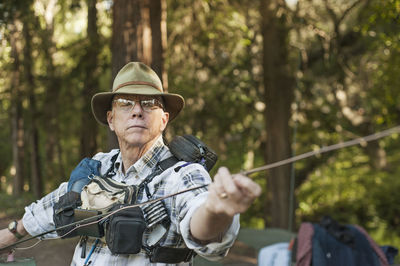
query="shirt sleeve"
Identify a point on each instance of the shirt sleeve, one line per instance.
(189, 204)
(38, 217)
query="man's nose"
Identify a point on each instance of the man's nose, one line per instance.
(137, 110)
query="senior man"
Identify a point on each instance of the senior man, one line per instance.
(205, 221)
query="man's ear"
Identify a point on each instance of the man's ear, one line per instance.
(164, 120)
(110, 116)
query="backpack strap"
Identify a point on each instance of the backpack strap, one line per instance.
(167, 163)
(161, 167)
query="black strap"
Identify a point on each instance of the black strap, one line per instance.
(167, 163)
(170, 254)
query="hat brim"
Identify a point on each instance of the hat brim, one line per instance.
(101, 102)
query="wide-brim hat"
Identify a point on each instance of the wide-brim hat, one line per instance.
(136, 78)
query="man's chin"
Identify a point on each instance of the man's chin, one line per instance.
(137, 140)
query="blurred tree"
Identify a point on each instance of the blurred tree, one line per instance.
(36, 182)
(52, 82)
(16, 92)
(158, 16)
(88, 144)
(279, 94)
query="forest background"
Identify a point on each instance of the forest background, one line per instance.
(263, 80)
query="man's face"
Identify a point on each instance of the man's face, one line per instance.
(138, 125)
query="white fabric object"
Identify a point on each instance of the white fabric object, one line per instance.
(275, 255)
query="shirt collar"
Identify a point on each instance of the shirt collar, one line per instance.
(143, 167)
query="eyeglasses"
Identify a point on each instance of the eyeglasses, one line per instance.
(146, 104)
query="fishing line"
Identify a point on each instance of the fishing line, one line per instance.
(341, 145)
(104, 216)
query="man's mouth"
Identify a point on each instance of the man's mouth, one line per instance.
(136, 126)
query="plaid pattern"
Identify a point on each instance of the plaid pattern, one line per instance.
(38, 216)
(304, 244)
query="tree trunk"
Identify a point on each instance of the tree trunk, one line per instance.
(54, 166)
(278, 98)
(132, 38)
(36, 178)
(158, 14)
(17, 122)
(89, 125)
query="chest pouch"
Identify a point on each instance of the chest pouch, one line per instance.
(124, 230)
(99, 196)
(96, 197)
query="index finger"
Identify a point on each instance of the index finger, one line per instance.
(225, 179)
(247, 185)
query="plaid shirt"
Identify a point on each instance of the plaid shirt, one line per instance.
(38, 216)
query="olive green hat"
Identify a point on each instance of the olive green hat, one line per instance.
(136, 78)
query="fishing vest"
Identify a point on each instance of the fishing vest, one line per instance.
(124, 228)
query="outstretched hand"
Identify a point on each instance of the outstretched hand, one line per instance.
(228, 195)
(231, 194)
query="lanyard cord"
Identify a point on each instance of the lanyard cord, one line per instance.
(341, 145)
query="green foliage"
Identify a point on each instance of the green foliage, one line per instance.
(385, 197)
(338, 188)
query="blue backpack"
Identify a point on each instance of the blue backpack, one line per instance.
(335, 244)
(330, 244)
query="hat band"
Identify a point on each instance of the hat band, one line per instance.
(137, 83)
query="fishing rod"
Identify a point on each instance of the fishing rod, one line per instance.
(341, 145)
